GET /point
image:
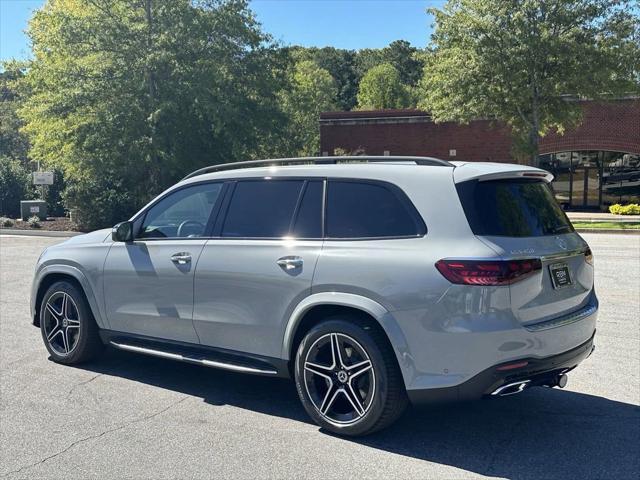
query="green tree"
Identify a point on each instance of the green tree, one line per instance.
(312, 90)
(515, 61)
(15, 185)
(126, 97)
(381, 87)
(13, 143)
(340, 64)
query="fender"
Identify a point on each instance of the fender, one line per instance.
(373, 308)
(80, 277)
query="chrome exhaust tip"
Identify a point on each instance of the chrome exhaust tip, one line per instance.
(511, 388)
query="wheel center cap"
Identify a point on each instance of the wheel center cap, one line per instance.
(65, 323)
(342, 376)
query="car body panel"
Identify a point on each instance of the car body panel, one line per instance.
(243, 298)
(146, 293)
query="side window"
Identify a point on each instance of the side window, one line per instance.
(262, 208)
(308, 221)
(365, 210)
(182, 214)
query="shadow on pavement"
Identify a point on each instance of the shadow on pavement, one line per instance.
(541, 433)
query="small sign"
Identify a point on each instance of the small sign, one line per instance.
(34, 209)
(452, 153)
(43, 178)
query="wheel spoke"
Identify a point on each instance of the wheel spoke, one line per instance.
(335, 350)
(329, 398)
(56, 330)
(359, 368)
(354, 399)
(322, 370)
(65, 341)
(71, 323)
(54, 313)
(65, 305)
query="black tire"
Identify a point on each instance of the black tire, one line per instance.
(79, 331)
(382, 407)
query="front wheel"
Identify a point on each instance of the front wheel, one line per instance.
(348, 379)
(68, 328)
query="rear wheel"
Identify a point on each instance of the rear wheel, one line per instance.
(348, 379)
(68, 328)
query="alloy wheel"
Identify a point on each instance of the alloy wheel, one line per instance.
(339, 378)
(62, 323)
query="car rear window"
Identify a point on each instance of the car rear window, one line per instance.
(512, 208)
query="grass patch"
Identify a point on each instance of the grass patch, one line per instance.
(608, 225)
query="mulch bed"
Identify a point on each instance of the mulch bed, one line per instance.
(54, 224)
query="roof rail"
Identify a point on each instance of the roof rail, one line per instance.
(430, 161)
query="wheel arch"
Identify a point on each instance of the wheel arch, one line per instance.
(51, 274)
(313, 309)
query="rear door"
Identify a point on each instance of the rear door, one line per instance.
(260, 266)
(519, 218)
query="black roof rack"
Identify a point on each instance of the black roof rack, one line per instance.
(319, 161)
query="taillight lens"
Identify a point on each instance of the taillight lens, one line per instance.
(487, 272)
(588, 256)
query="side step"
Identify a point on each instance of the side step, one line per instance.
(207, 358)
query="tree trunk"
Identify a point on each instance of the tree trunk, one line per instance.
(534, 133)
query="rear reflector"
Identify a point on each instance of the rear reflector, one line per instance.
(487, 272)
(588, 256)
(512, 366)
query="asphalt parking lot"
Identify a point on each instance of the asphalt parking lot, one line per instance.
(129, 416)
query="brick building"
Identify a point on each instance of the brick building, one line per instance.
(595, 164)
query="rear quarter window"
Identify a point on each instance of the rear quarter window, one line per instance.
(359, 209)
(512, 208)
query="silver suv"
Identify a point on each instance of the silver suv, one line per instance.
(372, 281)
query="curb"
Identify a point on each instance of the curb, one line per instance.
(38, 233)
(618, 231)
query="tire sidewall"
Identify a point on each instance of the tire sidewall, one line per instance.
(367, 342)
(85, 317)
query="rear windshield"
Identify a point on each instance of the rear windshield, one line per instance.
(512, 208)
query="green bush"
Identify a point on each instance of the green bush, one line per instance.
(34, 221)
(631, 209)
(6, 222)
(15, 185)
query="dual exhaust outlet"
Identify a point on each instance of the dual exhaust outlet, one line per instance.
(519, 386)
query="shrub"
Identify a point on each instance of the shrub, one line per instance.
(15, 185)
(6, 222)
(631, 209)
(34, 221)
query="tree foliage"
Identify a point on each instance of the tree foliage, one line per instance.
(128, 95)
(381, 87)
(15, 185)
(516, 61)
(312, 90)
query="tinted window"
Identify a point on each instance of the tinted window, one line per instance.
(262, 208)
(308, 222)
(358, 210)
(512, 208)
(184, 213)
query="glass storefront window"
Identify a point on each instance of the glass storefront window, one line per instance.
(592, 179)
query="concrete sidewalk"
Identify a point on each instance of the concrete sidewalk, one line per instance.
(601, 217)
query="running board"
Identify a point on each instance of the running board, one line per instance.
(195, 358)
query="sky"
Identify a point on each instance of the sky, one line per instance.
(352, 24)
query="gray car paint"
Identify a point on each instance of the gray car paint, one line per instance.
(442, 334)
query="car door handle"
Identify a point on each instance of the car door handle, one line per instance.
(181, 258)
(289, 263)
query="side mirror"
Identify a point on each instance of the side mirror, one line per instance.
(122, 232)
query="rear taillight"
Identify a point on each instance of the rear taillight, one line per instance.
(487, 272)
(588, 256)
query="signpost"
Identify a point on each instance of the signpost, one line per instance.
(43, 178)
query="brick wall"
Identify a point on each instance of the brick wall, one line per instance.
(606, 126)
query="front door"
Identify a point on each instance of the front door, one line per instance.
(249, 279)
(148, 283)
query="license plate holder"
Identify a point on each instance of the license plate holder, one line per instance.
(560, 275)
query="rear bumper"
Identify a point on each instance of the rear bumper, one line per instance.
(538, 370)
